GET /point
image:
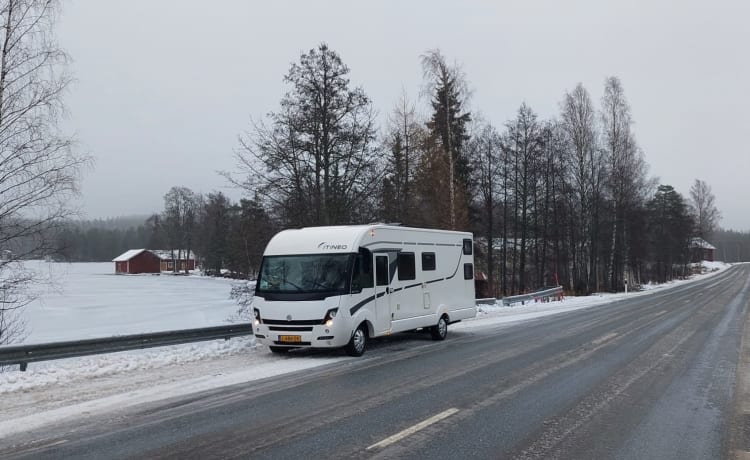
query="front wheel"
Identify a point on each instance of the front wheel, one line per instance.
(440, 330)
(356, 345)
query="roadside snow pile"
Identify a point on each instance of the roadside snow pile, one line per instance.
(711, 266)
(707, 269)
(64, 371)
(497, 313)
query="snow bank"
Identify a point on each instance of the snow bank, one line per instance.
(64, 371)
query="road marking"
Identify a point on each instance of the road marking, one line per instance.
(52, 444)
(604, 338)
(413, 429)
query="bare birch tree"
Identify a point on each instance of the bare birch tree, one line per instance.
(181, 206)
(579, 124)
(39, 167)
(703, 207)
(485, 151)
(627, 183)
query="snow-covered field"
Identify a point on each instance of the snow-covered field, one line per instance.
(91, 299)
(87, 300)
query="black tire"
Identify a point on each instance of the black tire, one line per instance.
(440, 330)
(358, 342)
(279, 350)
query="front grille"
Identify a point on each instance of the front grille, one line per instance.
(290, 328)
(294, 322)
(258, 336)
(326, 337)
(291, 343)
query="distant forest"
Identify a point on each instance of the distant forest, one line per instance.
(731, 246)
(565, 200)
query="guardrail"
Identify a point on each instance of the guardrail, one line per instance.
(535, 296)
(25, 354)
(487, 301)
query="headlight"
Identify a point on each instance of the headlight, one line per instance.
(256, 313)
(330, 314)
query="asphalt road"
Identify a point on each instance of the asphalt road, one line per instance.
(658, 376)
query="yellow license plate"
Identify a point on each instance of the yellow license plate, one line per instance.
(290, 338)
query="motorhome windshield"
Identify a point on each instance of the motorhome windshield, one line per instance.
(315, 273)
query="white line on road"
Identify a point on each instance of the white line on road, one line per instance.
(604, 338)
(413, 429)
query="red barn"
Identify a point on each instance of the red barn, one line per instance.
(137, 261)
(701, 249)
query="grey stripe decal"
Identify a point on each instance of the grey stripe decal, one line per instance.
(361, 304)
(364, 302)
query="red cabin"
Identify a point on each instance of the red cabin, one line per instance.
(137, 261)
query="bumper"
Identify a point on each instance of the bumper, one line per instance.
(317, 336)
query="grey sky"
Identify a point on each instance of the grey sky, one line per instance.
(164, 88)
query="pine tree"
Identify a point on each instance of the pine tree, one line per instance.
(448, 128)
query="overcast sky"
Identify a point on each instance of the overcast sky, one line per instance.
(164, 88)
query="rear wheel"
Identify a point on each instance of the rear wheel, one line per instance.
(440, 330)
(356, 345)
(279, 350)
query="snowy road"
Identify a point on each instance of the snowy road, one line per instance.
(651, 376)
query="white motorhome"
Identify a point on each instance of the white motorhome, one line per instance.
(339, 286)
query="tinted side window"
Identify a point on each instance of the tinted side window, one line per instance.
(362, 277)
(468, 247)
(406, 266)
(381, 270)
(468, 271)
(428, 261)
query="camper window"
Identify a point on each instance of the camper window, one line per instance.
(468, 271)
(468, 247)
(381, 270)
(406, 266)
(362, 272)
(428, 261)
